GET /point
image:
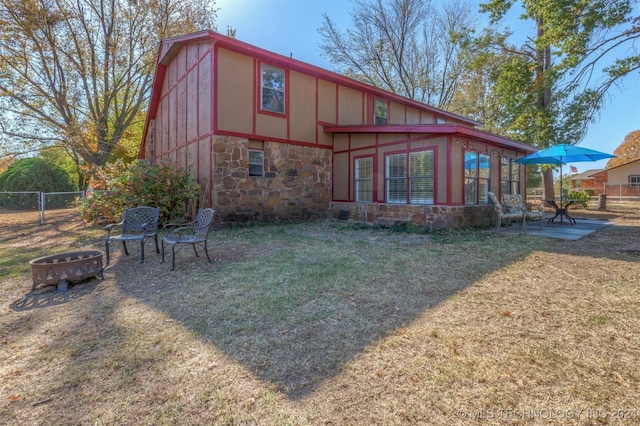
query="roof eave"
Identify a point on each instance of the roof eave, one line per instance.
(442, 129)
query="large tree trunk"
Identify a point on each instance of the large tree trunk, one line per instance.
(547, 183)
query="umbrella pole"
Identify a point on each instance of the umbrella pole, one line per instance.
(561, 182)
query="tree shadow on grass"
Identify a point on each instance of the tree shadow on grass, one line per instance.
(294, 310)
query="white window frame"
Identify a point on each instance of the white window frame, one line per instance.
(363, 184)
(398, 189)
(256, 163)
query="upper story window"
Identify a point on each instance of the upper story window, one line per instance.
(440, 120)
(510, 176)
(477, 171)
(256, 163)
(272, 89)
(381, 112)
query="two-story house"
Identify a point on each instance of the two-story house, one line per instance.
(273, 138)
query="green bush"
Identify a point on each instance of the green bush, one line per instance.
(582, 196)
(36, 174)
(165, 185)
(33, 174)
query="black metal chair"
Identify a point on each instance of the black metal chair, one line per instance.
(193, 233)
(138, 224)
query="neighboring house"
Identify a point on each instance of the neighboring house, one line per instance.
(272, 138)
(584, 180)
(622, 180)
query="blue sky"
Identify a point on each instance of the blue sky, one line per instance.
(290, 27)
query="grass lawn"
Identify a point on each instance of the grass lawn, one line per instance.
(328, 324)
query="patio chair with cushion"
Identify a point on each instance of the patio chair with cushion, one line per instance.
(514, 202)
(193, 233)
(138, 224)
(505, 214)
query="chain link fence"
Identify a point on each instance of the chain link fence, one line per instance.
(31, 208)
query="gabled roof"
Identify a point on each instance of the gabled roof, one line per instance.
(170, 47)
(586, 175)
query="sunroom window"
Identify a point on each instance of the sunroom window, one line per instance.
(272, 89)
(510, 176)
(477, 171)
(364, 180)
(410, 178)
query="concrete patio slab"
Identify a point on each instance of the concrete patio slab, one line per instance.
(561, 230)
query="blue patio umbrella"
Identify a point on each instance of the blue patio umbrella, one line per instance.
(563, 154)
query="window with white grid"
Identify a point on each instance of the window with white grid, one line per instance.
(477, 171)
(410, 178)
(364, 179)
(510, 176)
(256, 163)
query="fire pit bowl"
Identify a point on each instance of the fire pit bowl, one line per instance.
(63, 268)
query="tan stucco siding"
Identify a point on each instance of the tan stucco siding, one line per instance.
(340, 142)
(302, 115)
(413, 116)
(271, 126)
(426, 118)
(396, 114)
(350, 106)
(341, 176)
(327, 102)
(362, 140)
(235, 92)
(205, 94)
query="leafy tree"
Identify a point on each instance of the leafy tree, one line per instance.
(404, 46)
(629, 150)
(76, 73)
(61, 158)
(128, 147)
(545, 88)
(36, 174)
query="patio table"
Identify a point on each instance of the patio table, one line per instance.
(562, 209)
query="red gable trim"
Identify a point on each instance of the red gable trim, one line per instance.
(441, 129)
(170, 47)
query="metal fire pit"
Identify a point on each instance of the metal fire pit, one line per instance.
(63, 268)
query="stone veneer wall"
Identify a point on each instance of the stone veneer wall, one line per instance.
(434, 217)
(296, 184)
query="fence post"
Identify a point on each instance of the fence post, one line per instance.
(602, 202)
(41, 207)
(620, 192)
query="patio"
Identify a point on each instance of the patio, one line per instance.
(562, 230)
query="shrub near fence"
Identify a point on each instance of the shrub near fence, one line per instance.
(24, 208)
(20, 201)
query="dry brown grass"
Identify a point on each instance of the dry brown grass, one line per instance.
(313, 324)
